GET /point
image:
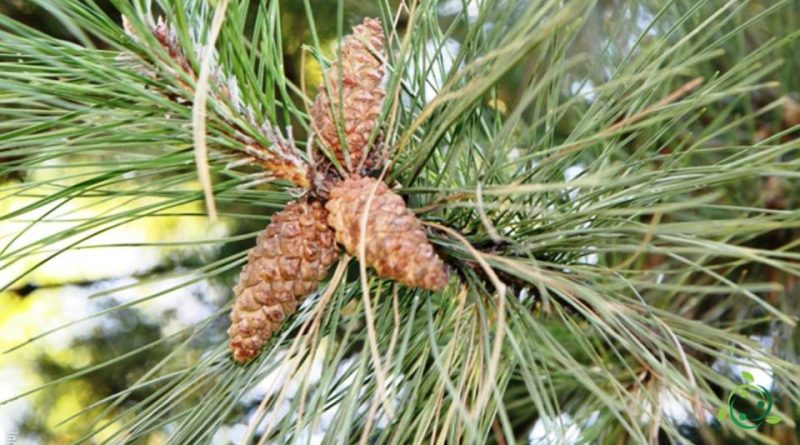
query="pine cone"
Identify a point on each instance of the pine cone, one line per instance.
(291, 256)
(362, 77)
(396, 245)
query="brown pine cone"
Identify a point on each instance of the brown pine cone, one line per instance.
(362, 78)
(291, 256)
(396, 246)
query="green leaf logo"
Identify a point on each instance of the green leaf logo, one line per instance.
(763, 402)
(773, 420)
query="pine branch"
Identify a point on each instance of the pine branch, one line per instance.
(641, 226)
(280, 158)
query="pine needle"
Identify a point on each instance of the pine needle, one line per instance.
(380, 373)
(199, 109)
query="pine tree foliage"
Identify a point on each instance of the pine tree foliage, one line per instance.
(599, 295)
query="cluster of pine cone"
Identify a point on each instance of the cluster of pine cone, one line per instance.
(295, 251)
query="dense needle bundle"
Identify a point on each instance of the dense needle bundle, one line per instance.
(295, 251)
(621, 202)
(290, 258)
(281, 158)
